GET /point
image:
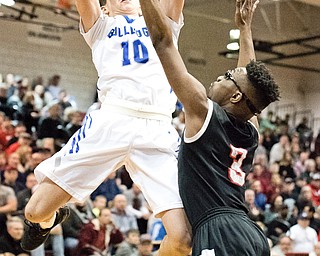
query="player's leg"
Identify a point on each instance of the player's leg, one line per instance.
(45, 201)
(153, 167)
(178, 238)
(166, 204)
(43, 212)
(79, 167)
(159, 185)
(74, 172)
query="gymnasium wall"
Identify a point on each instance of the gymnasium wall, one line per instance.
(23, 52)
(70, 57)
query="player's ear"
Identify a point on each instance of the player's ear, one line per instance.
(105, 9)
(236, 97)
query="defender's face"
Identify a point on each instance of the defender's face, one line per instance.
(223, 88)
(237, 83)
(123, 7)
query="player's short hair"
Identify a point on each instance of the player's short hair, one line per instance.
(261, 78)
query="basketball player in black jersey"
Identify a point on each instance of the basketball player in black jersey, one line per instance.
(219, 140)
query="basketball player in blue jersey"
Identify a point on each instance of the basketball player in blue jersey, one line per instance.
(219, 140)
(132, 127)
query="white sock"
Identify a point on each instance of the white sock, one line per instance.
(49, 223)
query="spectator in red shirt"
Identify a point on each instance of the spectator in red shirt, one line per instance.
(263, 174)
(315, 189)
(6, 133)
(24, 139)
(99, 235)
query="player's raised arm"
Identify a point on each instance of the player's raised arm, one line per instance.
(89, 11)
(172, 8)
(189, 90)
(243, 19)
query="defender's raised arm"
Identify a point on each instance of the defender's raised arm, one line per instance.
(188, 89)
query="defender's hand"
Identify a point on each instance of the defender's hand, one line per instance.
(244, 12)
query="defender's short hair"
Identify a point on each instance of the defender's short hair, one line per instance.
(261, 78)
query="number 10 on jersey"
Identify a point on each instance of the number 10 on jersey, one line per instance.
(140, 52)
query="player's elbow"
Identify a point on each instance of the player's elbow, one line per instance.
(162, 41)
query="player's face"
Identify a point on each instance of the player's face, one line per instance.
(231, 77)
(222, 89)
(123, 7)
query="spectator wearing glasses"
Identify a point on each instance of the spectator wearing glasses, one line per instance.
(220, 138)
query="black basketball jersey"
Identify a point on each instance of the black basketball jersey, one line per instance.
(213, 164)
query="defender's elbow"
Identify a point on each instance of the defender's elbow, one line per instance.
(162, 41)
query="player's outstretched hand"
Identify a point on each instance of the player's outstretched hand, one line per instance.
(244, 12)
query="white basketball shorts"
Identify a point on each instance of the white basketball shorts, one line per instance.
(148, 148)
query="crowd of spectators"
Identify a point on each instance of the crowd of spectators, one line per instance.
(282, 191)
(36, 120)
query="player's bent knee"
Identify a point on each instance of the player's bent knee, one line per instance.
(34, 214)
(29, 213)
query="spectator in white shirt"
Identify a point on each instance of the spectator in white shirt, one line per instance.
(303, 236)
